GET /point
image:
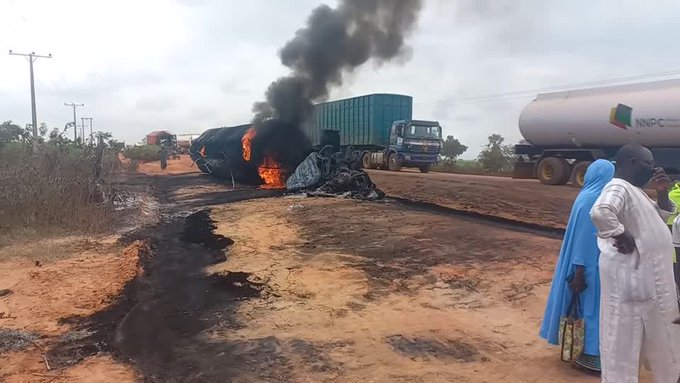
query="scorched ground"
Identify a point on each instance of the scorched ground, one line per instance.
(308, 290)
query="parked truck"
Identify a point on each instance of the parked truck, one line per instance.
(381, 127)
(565, 131)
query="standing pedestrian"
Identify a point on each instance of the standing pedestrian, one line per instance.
(638, 295)
(164, 158)
(578, 263)
(674, 196)
(676, 244)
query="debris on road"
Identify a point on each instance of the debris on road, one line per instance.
(15, 340)
(335, 174)
(296, 196)
(425, 348)
(295, 206)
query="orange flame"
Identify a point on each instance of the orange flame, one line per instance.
(272, 174)
(270, 170)
(246, 143)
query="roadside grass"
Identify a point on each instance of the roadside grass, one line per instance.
(466, 167)
(55, 190)
(143, 153)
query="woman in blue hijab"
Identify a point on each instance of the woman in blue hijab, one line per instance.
(577, 270)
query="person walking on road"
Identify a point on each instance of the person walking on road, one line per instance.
(638, 295)
(164, 158)
(578, 263)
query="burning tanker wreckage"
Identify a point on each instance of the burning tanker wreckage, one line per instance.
(242, 154)
(264, 154)
(274, 151)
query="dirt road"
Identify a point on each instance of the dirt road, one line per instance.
(376, 300)
(523, 200)
(218, 288)
(520, 200)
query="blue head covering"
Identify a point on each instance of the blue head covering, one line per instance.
(579, 248)
(599, 173)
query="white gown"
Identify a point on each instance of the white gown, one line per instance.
(638, 296)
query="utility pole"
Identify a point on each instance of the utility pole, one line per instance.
(75, 124)
(91, 138)
(34, 115)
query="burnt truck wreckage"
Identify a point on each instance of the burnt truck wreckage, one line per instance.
(326, 172)
(274, 151)
(244, 154)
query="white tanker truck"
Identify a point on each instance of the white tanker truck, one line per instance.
(565, 131)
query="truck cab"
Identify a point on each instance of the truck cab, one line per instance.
(414, 143)
(380, 128)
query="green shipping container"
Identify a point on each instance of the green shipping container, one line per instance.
(361, 121)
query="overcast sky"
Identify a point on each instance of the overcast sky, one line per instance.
(190, 65)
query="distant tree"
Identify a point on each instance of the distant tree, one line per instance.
(42, 132)
(107, 139)
(43, 129)
(116, 145)
(496, 156)
(11, 132)
(452, 148)
(102, 136)
(58, 138)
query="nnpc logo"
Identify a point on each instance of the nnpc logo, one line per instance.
(621, 116)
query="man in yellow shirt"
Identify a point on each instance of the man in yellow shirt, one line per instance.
(676, 244)
(674, 196)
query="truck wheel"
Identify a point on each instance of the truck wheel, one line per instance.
(393, 162)
(366, 160)
(425, 168)
(553, 171)
(579, 173)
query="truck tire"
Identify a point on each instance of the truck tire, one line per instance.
(553, 171)
(366, 160)
(425, 168)
(393, 163)
(578, 173)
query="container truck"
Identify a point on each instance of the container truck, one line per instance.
(161, 138)
(381, 127)
(565, 131)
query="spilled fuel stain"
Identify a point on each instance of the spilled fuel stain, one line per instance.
(158, 321)
(236, 285)
(199, 229)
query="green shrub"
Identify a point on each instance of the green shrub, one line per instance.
(144, 153)
(464, 167)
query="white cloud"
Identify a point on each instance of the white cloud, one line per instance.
(189, 65)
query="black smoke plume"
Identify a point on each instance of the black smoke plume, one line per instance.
(335, 41)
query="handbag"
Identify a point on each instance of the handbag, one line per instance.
(572, 332)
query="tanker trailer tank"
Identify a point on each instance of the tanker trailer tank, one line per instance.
(565, 131)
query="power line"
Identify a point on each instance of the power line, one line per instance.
(521, 93)
(34, 115)
(75, 124)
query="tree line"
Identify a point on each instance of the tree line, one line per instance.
(495, 157)
(11, 133)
